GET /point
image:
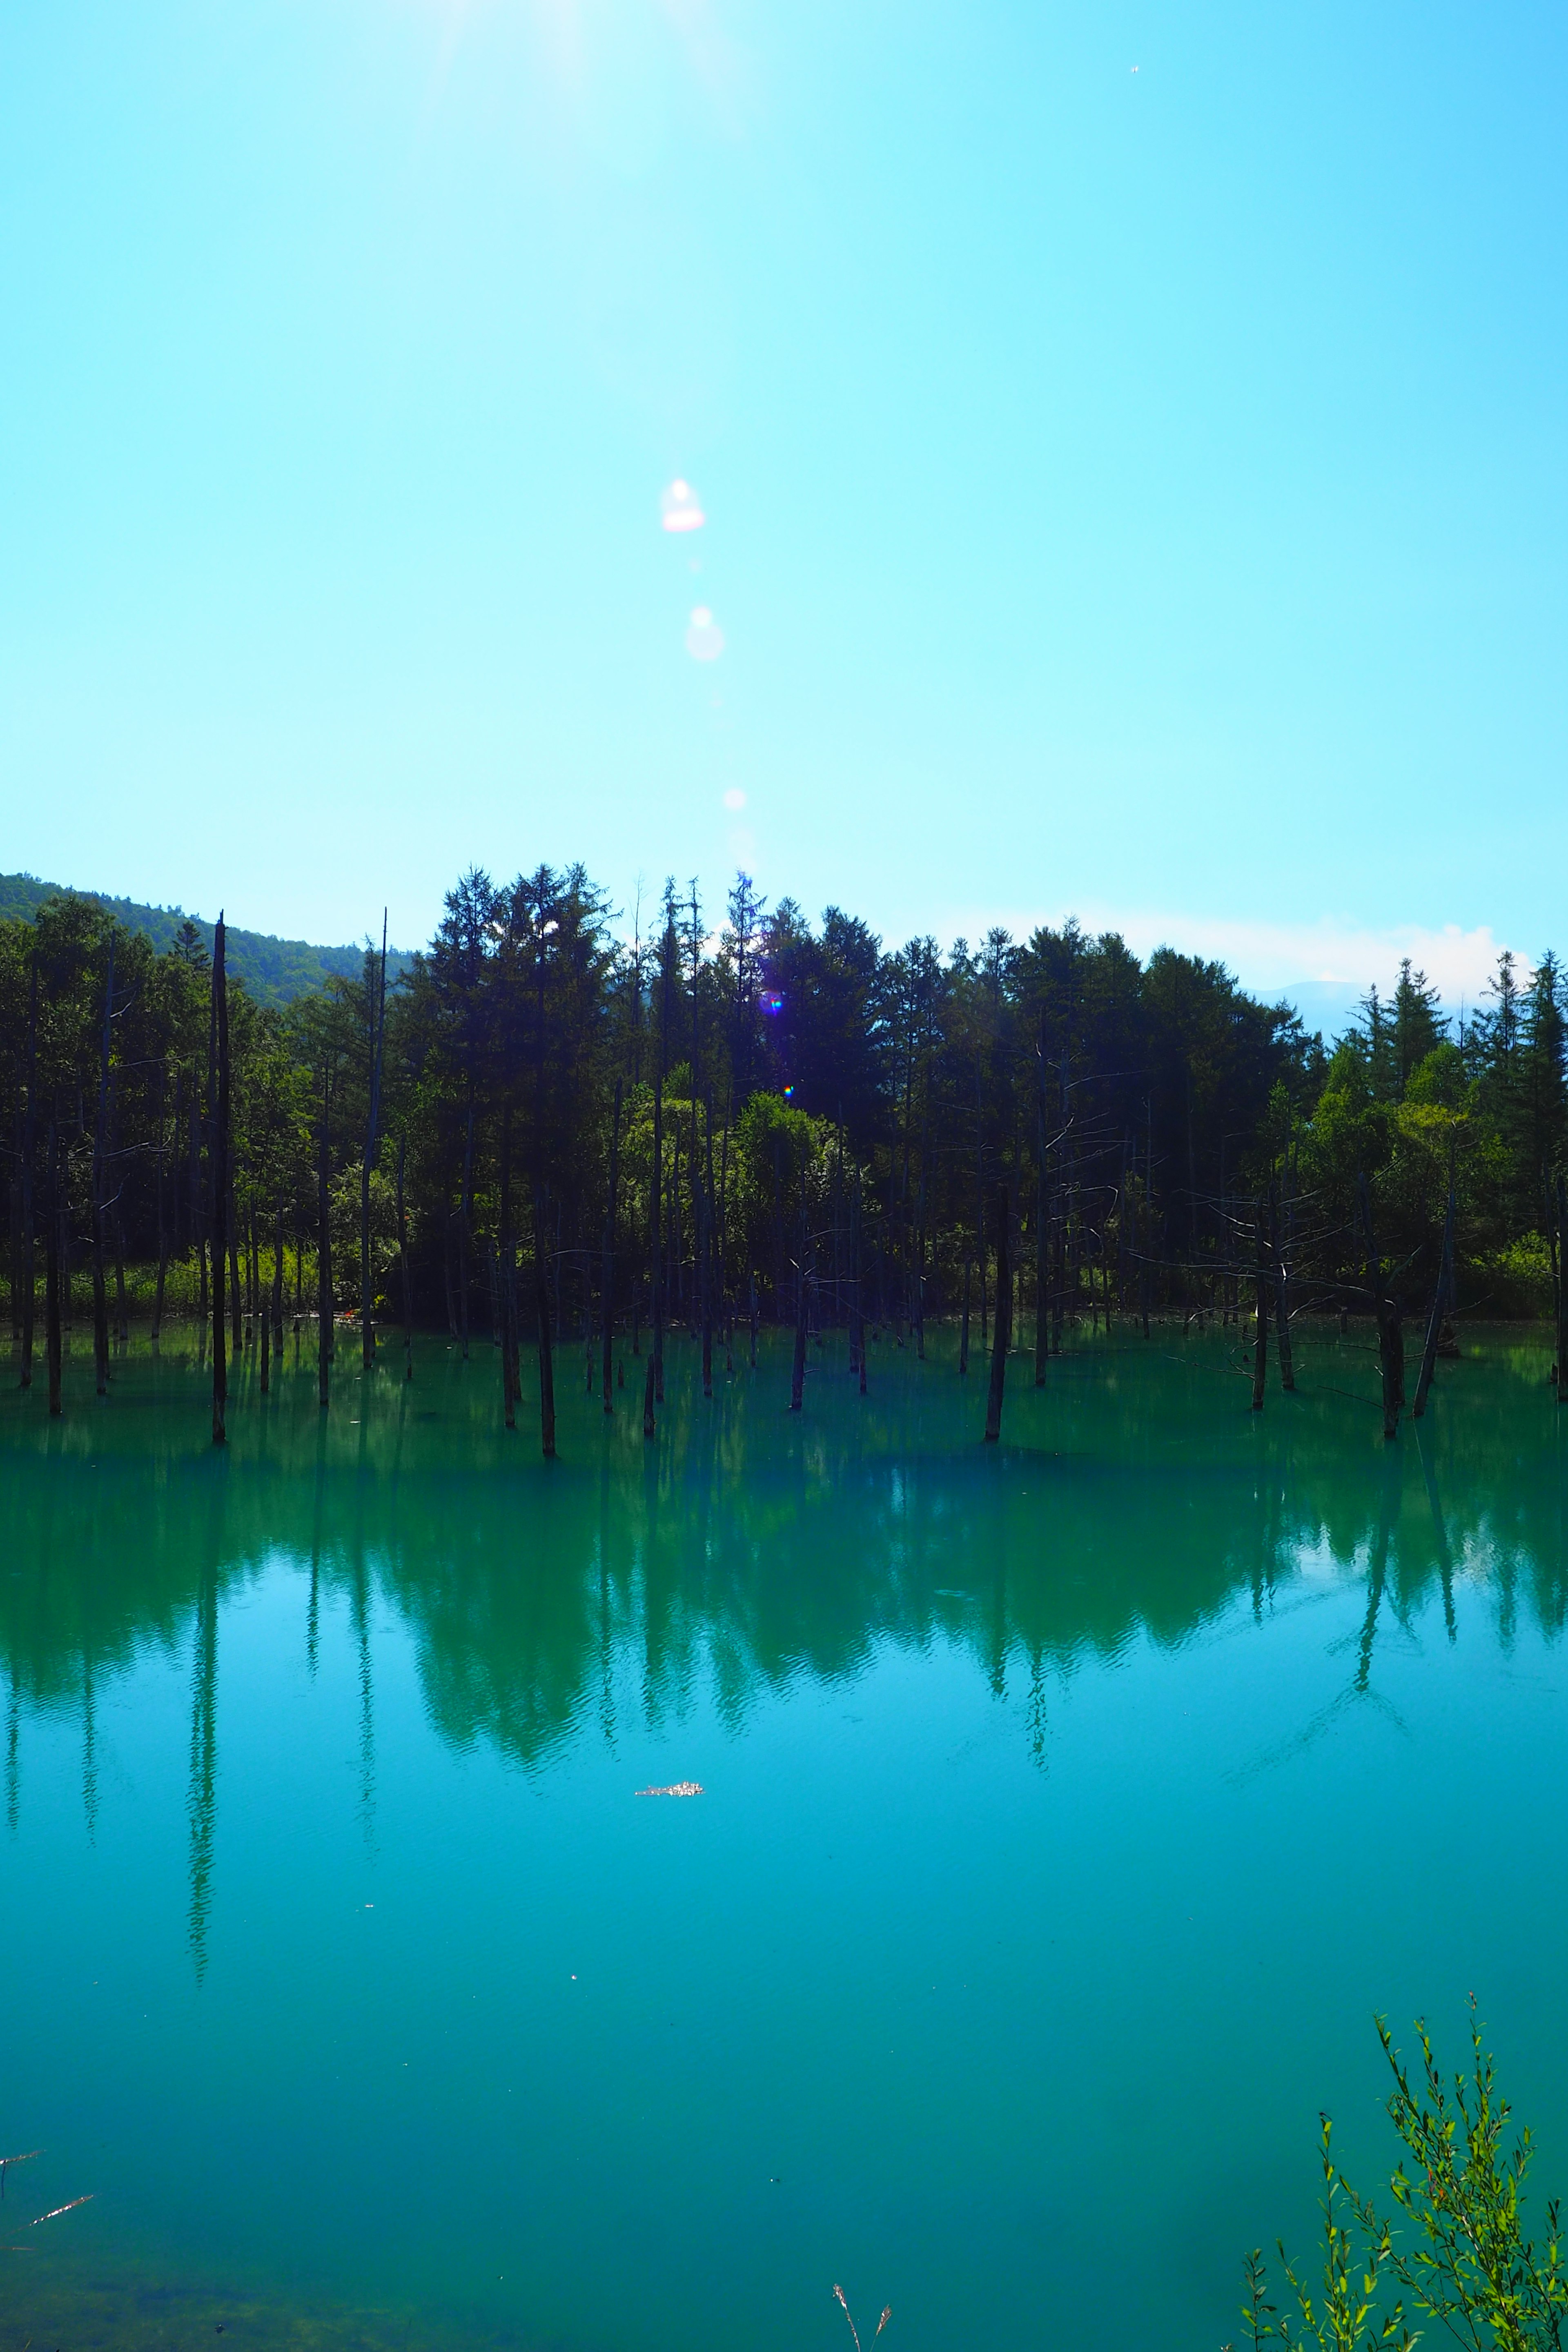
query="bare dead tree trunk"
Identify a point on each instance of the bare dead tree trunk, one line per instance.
(99, 1146)
(377, 1040)
(29, 1177)
(53, 1251)
(162, 1275)
(236, 1290)
(546, 1361)
(860, 1292)
(504, 1261)
(1264, 1286)
(1003, 1331)
(656, 1245)
(797, 1371)
(220, 1179)
(1042, 1256)
(964, 1317)
(607, 1273)
(198, 1204)
(323, 1252)
(277, 1277)
(1440, 1293)
(1390, 1328)
(403, 1265)
(1281, 1293)
(265, 1362)
(15, 1202)
(465, 1228)
(703, 1178)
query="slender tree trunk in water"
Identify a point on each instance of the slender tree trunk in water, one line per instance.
(964, 1317)
(492, 1266)
(220, 1179)
(52, 1252)
(1042, 1264)
(917, 1301)
(546, 1364)
(16, 1205)
(608, 1275)
(655, 1244)
(511, 1335)
(705, 1245)
(465, 1228)
(856, 1278)
(797, 1373)
(997, 1388)
(29, 1135)
(1561, 1285)
(505, 1285)
(1263, 1286)
(1390, 1329)
(1440, 1293)
(323, 1256)
(377, 1040)
(653, 1384)
(211, 1209)
(403, 1265)
(448, 1247)
(1281, 1293)
(163, 1219)
(121, 1305)
(752, 1317)
(265, 1370)
(235, 1293)
(99, 1148)
(678, 1298)
(278, 1279)
(722, 1264)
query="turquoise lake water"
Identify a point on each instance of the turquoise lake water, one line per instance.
(1068, 1808)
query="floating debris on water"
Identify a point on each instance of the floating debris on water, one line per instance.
(676, 1789)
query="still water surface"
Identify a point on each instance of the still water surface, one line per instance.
(1067, 1810)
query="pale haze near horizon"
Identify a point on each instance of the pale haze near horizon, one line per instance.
(1129, 446)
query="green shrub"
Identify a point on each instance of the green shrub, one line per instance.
(1470, 2265)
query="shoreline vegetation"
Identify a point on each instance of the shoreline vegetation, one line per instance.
(1465, 2260)
(536, 1133)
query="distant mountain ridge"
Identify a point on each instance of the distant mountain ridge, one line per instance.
(274, 971)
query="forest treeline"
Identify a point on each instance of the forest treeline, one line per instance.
(274, 971)
(540, 1128)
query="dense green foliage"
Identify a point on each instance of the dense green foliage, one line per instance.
(1470, 2266)
(274, 971)
(825, 1108)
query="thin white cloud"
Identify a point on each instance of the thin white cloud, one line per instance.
(1276, 957)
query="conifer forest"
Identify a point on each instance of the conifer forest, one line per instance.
(555, 1127)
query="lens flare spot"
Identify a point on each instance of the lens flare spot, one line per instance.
(735, 798)
(680, 509)
(771, 1001)
(704, 637)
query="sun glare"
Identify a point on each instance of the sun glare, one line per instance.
(680, 509)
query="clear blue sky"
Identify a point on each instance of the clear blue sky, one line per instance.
(1131, 439)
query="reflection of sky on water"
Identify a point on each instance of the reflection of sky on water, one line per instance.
(322, 1762)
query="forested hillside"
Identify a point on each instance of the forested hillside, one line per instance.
(540, 1122)
(274, 971)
